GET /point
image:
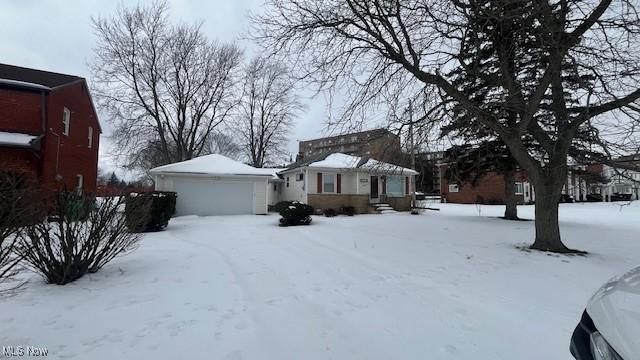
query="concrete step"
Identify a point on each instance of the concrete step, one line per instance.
(388, 212)
(380, 204)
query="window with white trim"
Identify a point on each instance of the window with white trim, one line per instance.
(66, 121)
(329, 183)
(80, 183)
(90, 137)
(454, 188)
(299, 176)
(519, 188)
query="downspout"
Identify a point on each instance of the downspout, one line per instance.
(43, 128)
(306, 186)
(57, 177)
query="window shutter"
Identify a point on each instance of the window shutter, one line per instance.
(384, 185)
(319, 183)
(406, 185)
(339, 183)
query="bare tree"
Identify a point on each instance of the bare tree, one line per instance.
(577, 64)
(165, 87)
(267, 108)
(223, 144)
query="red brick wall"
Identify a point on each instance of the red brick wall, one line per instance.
(75, 157)
(19, 160)
(20, 111)
(490, 189)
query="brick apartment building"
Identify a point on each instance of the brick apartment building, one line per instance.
(488, 190)
(380, 144)
(49, 129)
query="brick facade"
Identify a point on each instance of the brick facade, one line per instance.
(489, 190)
(61, 158)
(335, 201)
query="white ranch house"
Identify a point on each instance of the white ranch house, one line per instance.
(217, 185)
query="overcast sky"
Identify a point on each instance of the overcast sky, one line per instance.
(57, 35)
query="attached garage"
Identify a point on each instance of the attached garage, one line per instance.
(214, 185)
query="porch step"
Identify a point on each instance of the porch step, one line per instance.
(383, 208)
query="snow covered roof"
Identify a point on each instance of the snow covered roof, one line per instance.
(270, 171)
(345, 162)
(214, 164)
(16, 139)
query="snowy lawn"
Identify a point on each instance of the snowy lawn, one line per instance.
(442, 285)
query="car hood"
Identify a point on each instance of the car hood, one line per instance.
(615, 310)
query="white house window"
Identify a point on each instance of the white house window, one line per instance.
(329, 183)
(395, 186)
(90, 137)
(454, 188)
(66, 121)
(287, 181)
(300, 177)
(519, 188)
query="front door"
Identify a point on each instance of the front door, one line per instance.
(373, 193)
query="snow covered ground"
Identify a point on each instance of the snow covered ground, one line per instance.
(442, 285)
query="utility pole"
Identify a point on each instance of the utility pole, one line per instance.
(413, 155)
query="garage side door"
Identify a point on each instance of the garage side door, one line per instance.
(211, 197)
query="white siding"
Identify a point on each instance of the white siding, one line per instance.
(260, 192)
(364, 186)
(296, 189)
(348, 181)
(273, 193)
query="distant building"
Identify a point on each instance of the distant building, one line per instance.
(617, 181)
(380, 144)
(49, 129)
(428, 181)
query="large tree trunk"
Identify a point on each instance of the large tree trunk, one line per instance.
(547, 227)
(511, 202)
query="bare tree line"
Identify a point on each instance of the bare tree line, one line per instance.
(172, 94)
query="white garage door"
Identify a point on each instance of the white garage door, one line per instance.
(211, 197)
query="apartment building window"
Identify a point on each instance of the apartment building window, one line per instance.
(90, 137)
(454, 188)
(519, 188)
(66, 121)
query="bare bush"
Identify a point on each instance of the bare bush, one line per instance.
(17, 208)
(81, 238)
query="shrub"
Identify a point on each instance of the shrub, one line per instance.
(566, 198)
(329, 212)
(20, 204)
(157, 207)
(296, 214)
(594, 197)
(281, 205)
(63, 249)
(348, 210)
